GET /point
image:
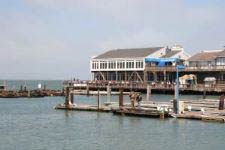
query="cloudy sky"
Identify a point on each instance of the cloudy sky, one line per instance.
(55, 39)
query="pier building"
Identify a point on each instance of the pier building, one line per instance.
(210, 63)
(138, 64)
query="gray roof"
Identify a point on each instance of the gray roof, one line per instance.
(207, 56)
(170, 54)
(221, 54)
(128, 53)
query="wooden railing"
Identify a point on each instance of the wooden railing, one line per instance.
(138, 85)
(187, 68)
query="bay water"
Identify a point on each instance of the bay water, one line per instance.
(34, 124)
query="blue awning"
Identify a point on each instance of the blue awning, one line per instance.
(160, 60)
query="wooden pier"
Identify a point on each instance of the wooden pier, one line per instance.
(204, 110)
(84, 108)
(157, 88)
(208, 116)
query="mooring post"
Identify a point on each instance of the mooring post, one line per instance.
(148, 93)
(162, 115)
(221, 102)
(204, 94)
(108, 93)
(71, 97)
(67, 96)
(87, 89)
(121, 97)
(98, 98)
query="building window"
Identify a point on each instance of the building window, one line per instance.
(94, 65)
(112, 65)
(139, 64)
(103, 64)
(130, 64)
(120, 64)
(220, 61)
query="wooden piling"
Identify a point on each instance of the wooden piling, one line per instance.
(121, 97)
(148, 93)
(88, 90)
(162, 115)
(204, 94)
(108, 93)
(98, 100)
(67, 96)
(221, 102)
(71, 98)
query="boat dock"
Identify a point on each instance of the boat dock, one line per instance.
(204, 110)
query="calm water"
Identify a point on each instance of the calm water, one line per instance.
(32, 123)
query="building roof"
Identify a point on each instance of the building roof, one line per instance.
(221, 54)
(170, 54)
(128, 53)
(206, 56)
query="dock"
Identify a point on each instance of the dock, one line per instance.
(208, 116)
(206, 110)
(84, 108)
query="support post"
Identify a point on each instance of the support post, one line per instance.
(98, 99)
(164, 76)
(67, 96)
(108, 93)
(71, 97)
(221, 102)
(204, 94)
(177, 90)
(145, 77)
(178, 67)
(148, 93)
(88, 91)
(121, 97)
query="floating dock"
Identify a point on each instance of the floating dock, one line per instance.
(204, 110)
(84, 108)
(150, 110)
(208, 116)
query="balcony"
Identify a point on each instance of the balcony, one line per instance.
(187, 68)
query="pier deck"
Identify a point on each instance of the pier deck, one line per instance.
(84, 108)
(150, 109)
(209, 116)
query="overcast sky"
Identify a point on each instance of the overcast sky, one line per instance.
(55, 39)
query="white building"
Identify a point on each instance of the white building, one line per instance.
(129, 64)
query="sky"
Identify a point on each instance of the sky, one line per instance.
(55, 39)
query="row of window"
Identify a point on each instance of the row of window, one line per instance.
(220, 61)
(117, 64)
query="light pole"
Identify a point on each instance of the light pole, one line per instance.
(178, 67)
